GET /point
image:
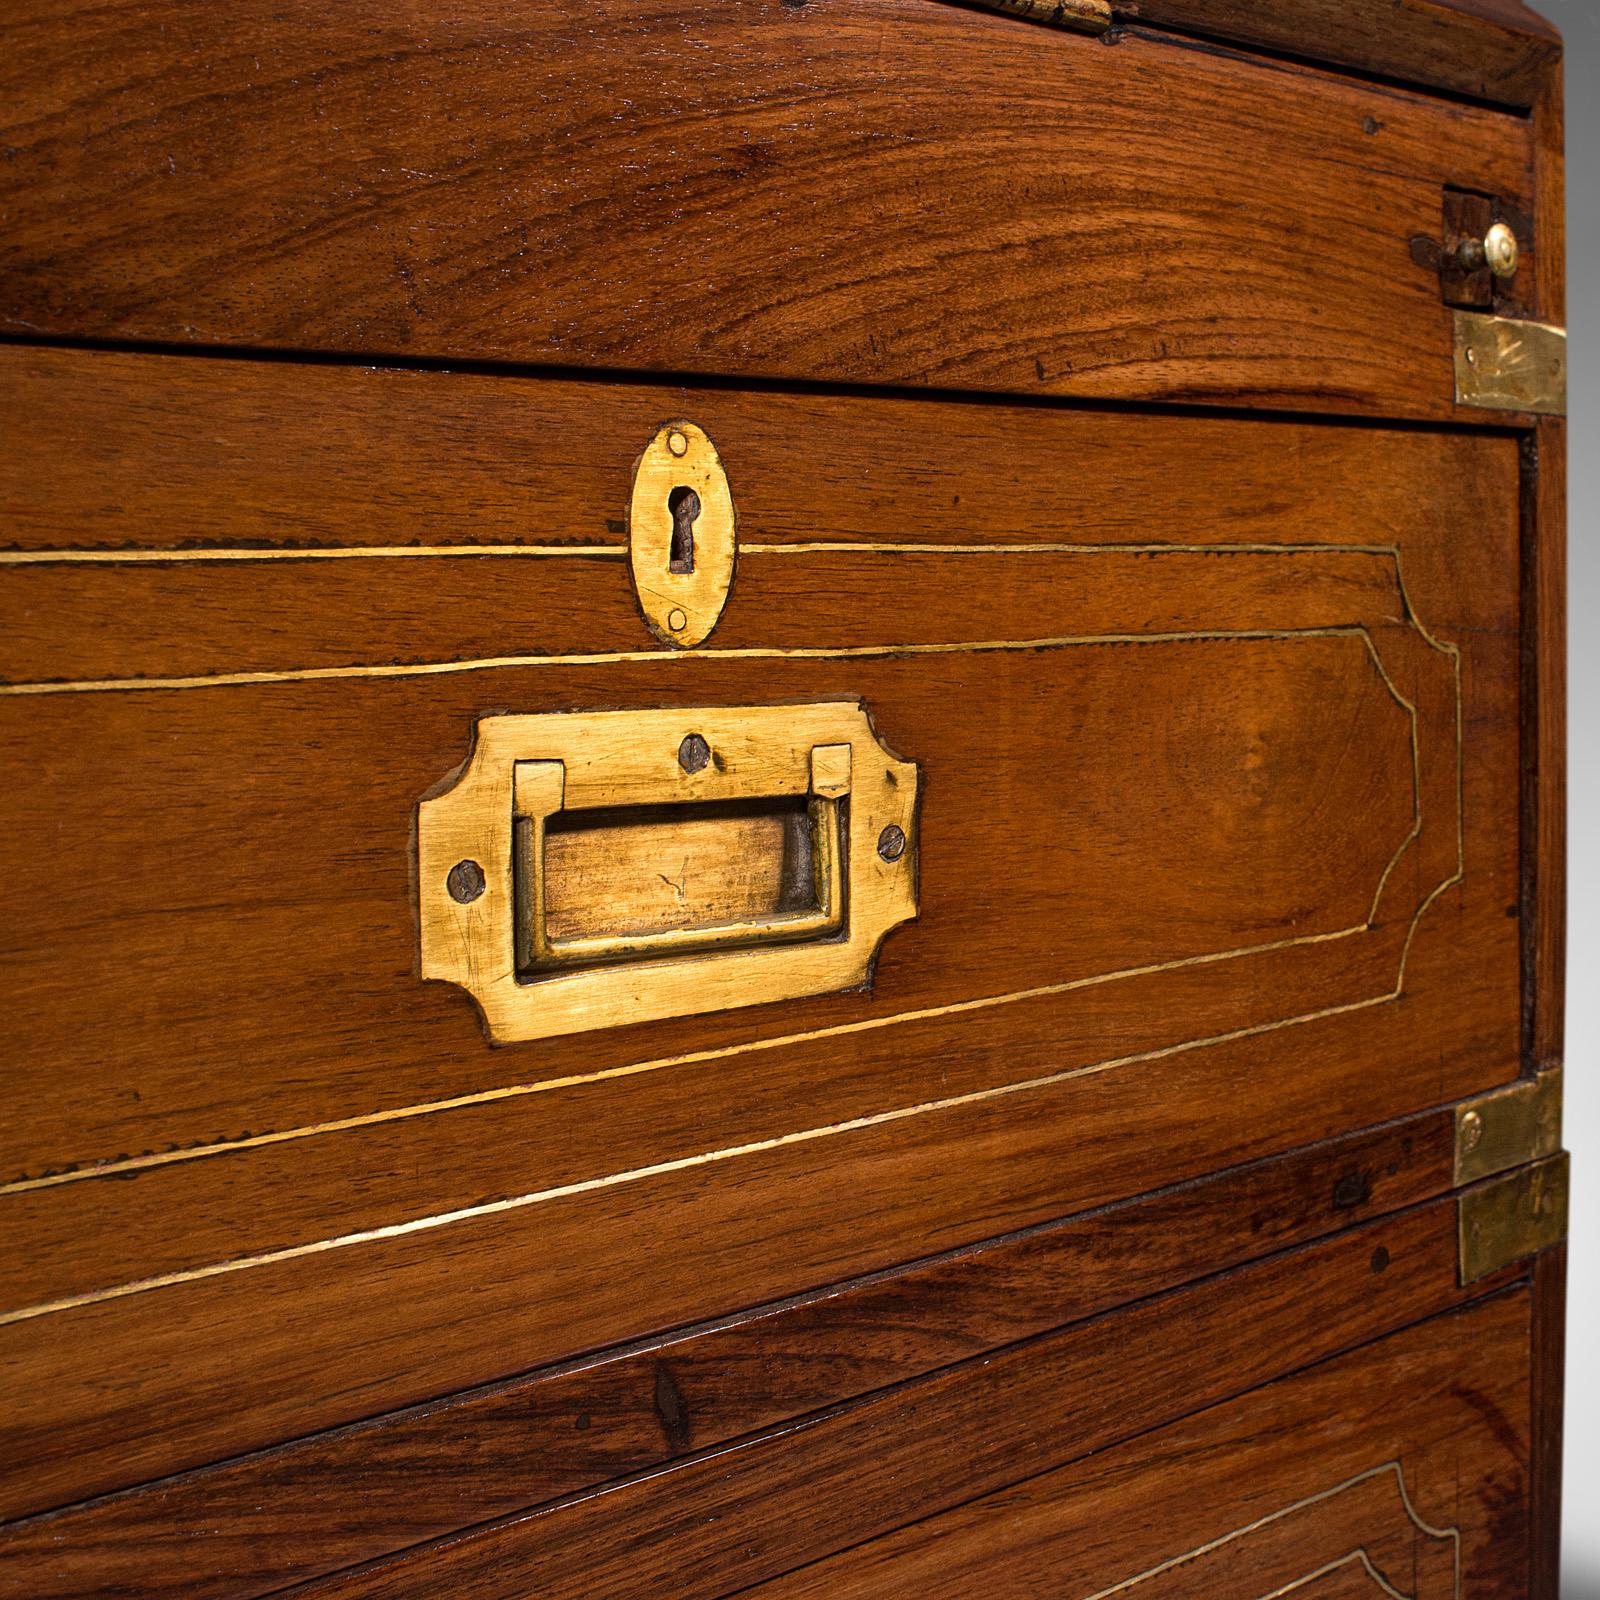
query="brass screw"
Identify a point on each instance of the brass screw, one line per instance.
(676, 620)
(693, 753)
(1471, 1131)
(1501, 251)
(465, 881)
(678, 442)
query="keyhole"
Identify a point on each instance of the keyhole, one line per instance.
(684, 504)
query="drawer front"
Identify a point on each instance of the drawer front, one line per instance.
(1060, 1465)
(1399, 1470)
(971, 1412)
(1217, 790)
(880, 191)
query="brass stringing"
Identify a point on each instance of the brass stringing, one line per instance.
(413, 1225)
(1357, 1556)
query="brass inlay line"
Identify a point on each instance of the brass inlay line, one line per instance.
(80, 556)
(1453, 1534)
(1359, 1555)
(1060, 548)
(423, 669)
(782, 1141)
(515, 1091)
(804, 1135)
(90, 556)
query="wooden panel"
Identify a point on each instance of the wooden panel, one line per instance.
(873, 191)
(774, 1502)
(296, 1512)
(1398, 1470)
(1173, 915)
(1491, 49)
(220, 459)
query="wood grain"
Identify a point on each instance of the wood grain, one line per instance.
(221, 458)
(1548, 1363)
(793, 192)
(1498, 50)
(331, 1501)
(255, 1113)
(1404, 1460)
(775, 1501)
(1224, 725)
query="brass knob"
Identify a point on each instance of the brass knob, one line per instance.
(1497, 250)
(1501, 251)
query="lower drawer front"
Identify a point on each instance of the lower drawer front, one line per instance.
(1343, 1415)
(1398, 1470)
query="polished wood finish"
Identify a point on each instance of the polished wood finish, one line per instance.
(1105, 1242)
(1548, 1357)
(775, 1501)
(1399, 1469)
(376, 1487)
(225, 459)
(1497, 50)
(867, 191)
(1258, 903)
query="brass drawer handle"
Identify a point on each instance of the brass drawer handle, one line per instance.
(537, 782)
(589, 869)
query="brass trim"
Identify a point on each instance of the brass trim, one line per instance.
(523, 769)
(94, 1168)
(1508, 1128)
(1450, 1535)
(1512, 1217)
(1504, 365)
(681, 591)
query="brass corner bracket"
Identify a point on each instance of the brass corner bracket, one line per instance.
(1506, 365)
(1508, 1127)
(1508, 1147)
(1512, 1217)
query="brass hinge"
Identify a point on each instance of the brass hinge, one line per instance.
(1512, 1217)
(1505, 365)
(1508, 1127)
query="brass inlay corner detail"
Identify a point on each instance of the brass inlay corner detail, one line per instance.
(1505, 365)
(1508, 1127)
(1512, 1217)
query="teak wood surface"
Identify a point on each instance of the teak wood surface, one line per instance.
(865, 191)
(1122, 940)
(1105, 1242)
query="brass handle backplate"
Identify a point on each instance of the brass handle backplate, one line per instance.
(589, 869)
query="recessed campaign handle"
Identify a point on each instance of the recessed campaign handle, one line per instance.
(589, 869)
(539, 950)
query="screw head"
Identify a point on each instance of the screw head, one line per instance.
(1501, 250)
(1471, 1131)
(465, 881)
(693, 753)
(678, 442)
(676, 620)
(892, 843)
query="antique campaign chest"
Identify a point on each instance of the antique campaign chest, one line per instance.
(782, 799)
